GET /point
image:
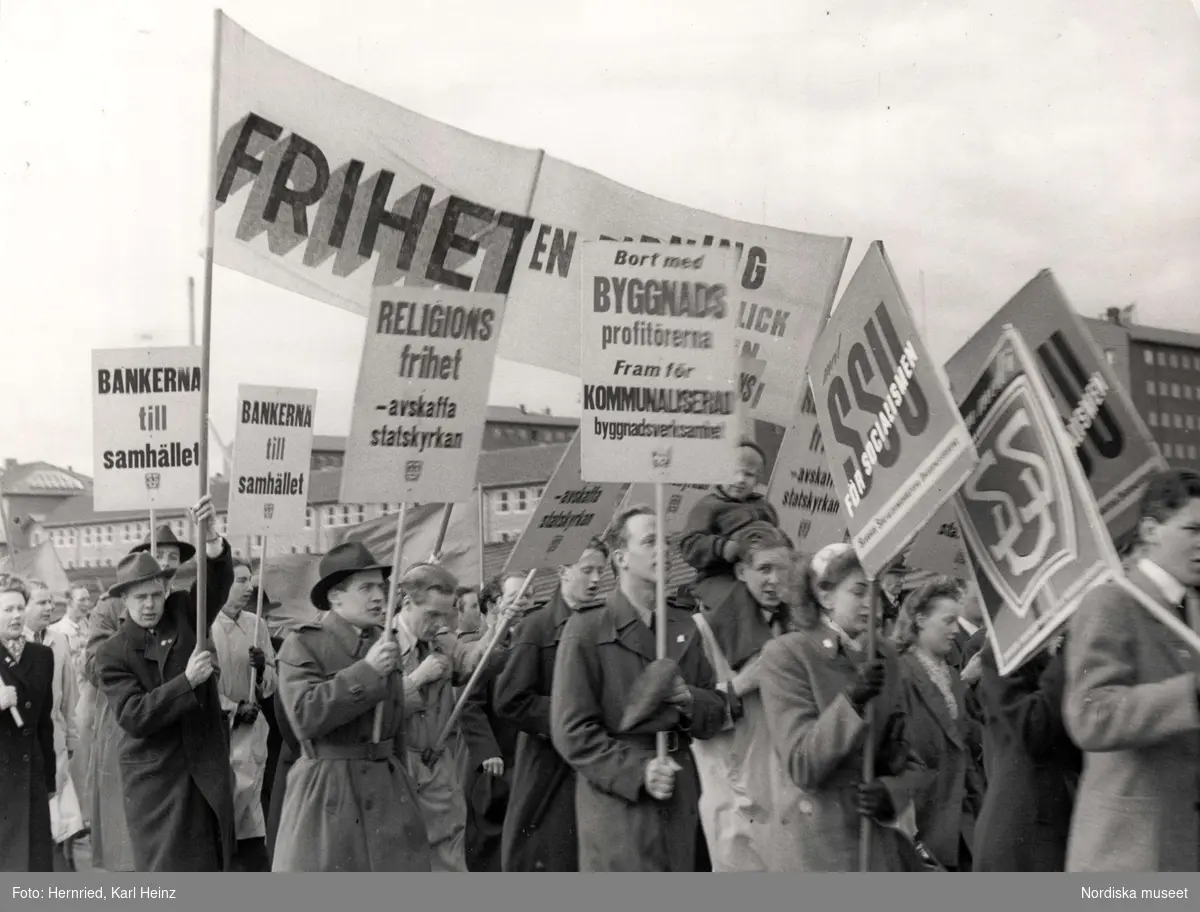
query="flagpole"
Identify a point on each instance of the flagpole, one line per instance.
(206, 329)
(262, 575)
(192, 343)
(393, 585)
(479, 489)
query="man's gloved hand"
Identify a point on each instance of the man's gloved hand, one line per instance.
(258, 659)
(246, 713)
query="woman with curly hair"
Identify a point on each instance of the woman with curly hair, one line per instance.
(937, 726)
(816, 683)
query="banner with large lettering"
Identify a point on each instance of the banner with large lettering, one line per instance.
(1034, 534)
(421, 400)
(331, 192)
(1114, 446)
(896, 446)
(272, 458)
(571, 511)
(659, 364)
(801, 488)
(146, 428)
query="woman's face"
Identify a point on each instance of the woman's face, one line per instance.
(849, 604)
(12, 615)
(939, 626)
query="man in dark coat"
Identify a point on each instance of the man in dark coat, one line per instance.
(635, 812)
(27, 760)
(157, 672)
(539, 828)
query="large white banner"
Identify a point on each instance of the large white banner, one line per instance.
(421, 400)
(659, 365)
(332, 192)
(272, 458)
(146, 428)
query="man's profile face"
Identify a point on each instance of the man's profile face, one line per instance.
(1175, 544)
(638, 558)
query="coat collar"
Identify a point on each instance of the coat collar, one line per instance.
(347, 636)
(1183, 657)
(931, 695)
(628, 629)
(11, 666)
(559, 611)
(155, 648)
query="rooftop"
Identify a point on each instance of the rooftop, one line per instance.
(38, 478)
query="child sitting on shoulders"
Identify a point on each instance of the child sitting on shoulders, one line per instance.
(708, 543)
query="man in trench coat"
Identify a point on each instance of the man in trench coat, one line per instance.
(158, 674)
(634, 812)
(349, 804)
(1132, 699)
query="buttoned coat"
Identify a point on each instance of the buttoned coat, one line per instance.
(819, 737)
(1131, 704)
(112, 849)
(174, 747)
(27, 763)
(600, 655)
(344, 814)
(947, 805)
(1032, 768)
(539, 828)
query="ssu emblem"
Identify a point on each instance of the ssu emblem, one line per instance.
(1021, 524)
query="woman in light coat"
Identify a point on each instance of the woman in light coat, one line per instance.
(747, 802)
(816, 684)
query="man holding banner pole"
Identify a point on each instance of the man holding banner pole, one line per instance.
(611, 699)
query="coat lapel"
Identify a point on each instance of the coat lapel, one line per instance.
(630, 631)
(931, 695)
(1178, 653)
(14, 668)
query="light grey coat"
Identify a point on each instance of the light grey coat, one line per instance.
(1131, 704)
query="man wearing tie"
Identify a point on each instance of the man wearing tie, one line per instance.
(1132, 698)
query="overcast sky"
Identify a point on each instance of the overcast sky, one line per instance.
(980, 141)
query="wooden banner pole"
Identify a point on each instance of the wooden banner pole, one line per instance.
(262, 576)
(866, 826)
(660, 591)
(393, 588)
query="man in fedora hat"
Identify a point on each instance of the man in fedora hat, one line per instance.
(169, 551)
(157, 674)
(244, 650)
(349, 804)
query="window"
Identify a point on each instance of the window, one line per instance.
(1162, 388)
(1187, 391)
(1162, 359)
(308, 517)
(502, 504)
(345, 514)
(1175, 390)
(358, 512)
(1110, 355)
(1178, 421)
(1149, 387)
(522, 503)
(331, 516)
(1153, 416)
(1165, 419)
(1191, 451)
(258, 541)
(497, 433)
(1174, 359)
(293, 549)
(1148, 356)
(1198, 392)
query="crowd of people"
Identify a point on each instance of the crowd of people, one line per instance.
(337, 748)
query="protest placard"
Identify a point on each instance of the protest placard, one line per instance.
(272, 458)
(1113, 444)
(332, 192)
(896, 446)
(938, 547)
(680, 498)
(146, 428)
(801, 488)
(570, 512)
(659, 365)
(421, 400)
(1034, 534)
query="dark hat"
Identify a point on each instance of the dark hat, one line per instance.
(648, 693)
(167, 537)
(136, 567)
(343, 561)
